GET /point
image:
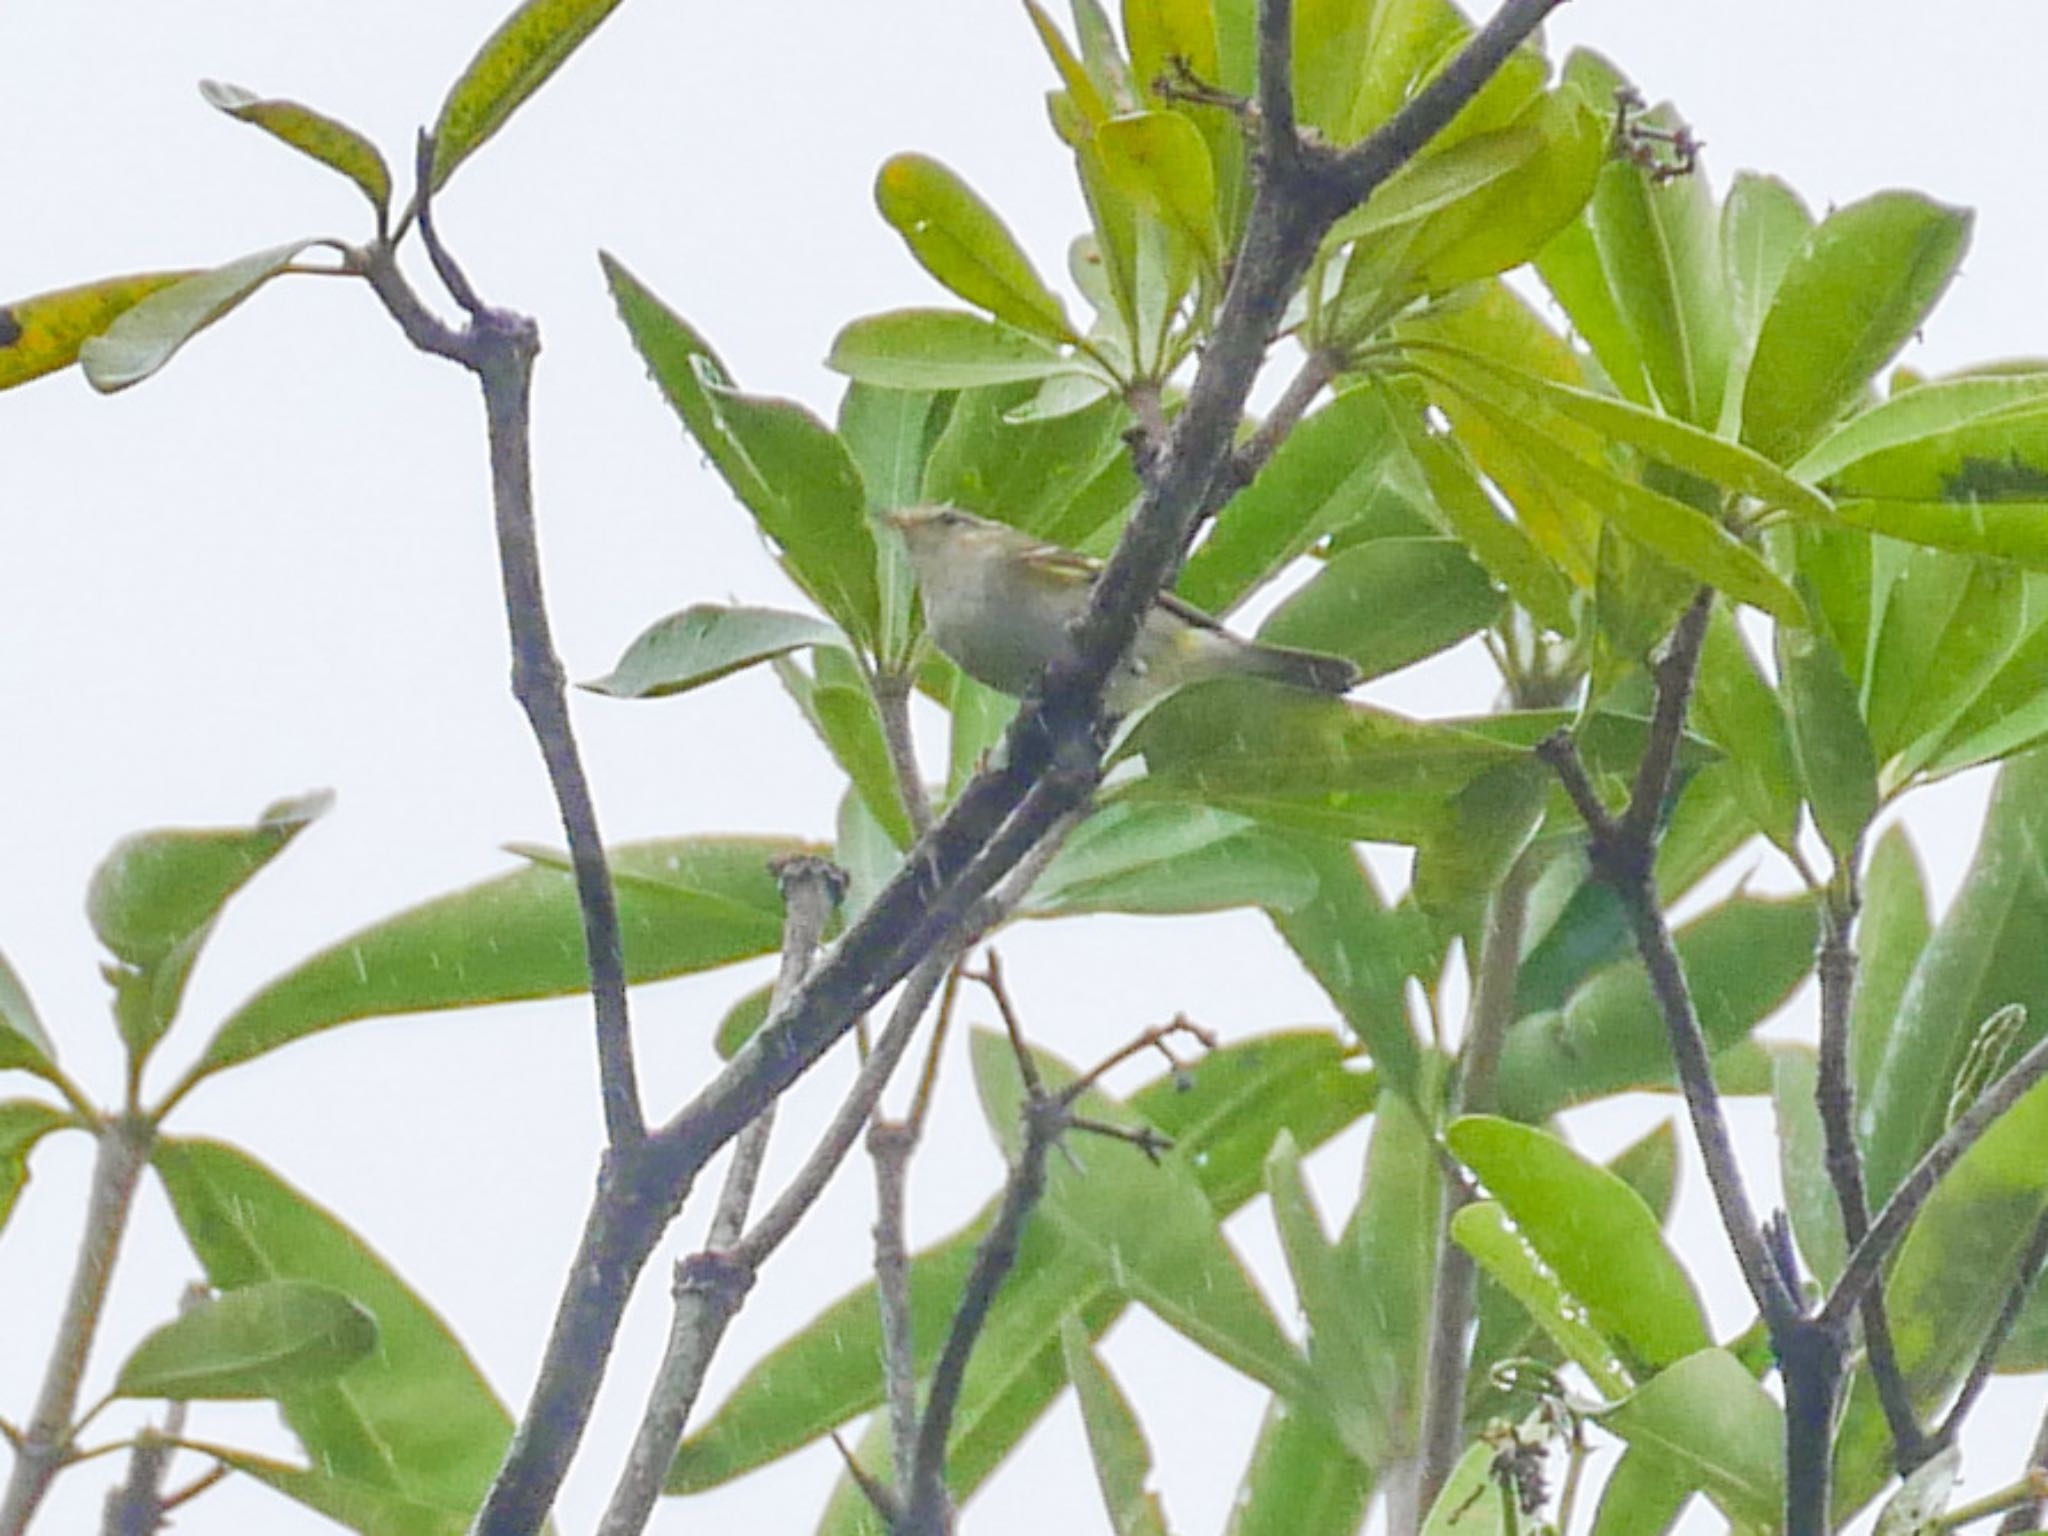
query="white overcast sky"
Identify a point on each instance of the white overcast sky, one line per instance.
(271, 568)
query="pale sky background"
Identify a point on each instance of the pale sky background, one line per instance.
(271, 569)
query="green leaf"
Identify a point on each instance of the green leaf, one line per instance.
(1659, 246)
(24, 1044)
(1159, 161)
(2010, 712)
(1666, 439)
(1305, 760)
(1738, 709)
(1743, 958)
(1919, 442)
(1387, 603)
(1763, 227)
(1952, 1275)
(1707, 1420)
(1999, 530)
(1388, 1252)
(514, 62)
(1346, 1351)
(1593, 1231)
(959, 240)
(1470, 1501)
(1949, 625)
(1983, 956)
(263, 1340)
(1856, 292)
(705, 642)
(1301, 1480)
(1644, 1496)
(786, 467)
(1500, 544)
(1360, 954)
(1491, 821)
(1681, 534)
(1061, 478)
(890, 433)
(1896, 924)
(942, 349)
(1829, 738)
(1484, 1230)
(1325, 473)
(686, 904)
(839, 706)
(1500, 224)
(1116, 1443)
(1222, 1114)
(23, 1123)
(155, 897)
(148, 333)
(331, 142)
(415, 1416)
(1809, 1192)
(1147, 1224)
(42, 334)
(1171, 858)
(357, 1506)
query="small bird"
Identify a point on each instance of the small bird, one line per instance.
(998, 602)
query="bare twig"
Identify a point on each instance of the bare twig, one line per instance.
(1866, 1259)
(1455, 1291)
(892, 703)
(44, 1442)
(925, 1508)
(890, 1145)
(499, 347)
(709, 1287)
(1835, 1098)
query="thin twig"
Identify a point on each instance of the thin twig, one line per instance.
(1046, 1117)
(2025, 1516)
(499, 347)
(892, 702)
(1835, 1098)
(709, 1287)
(1630, 870)
(1866, 1259)
(44, 1442)
(890, 1145)
(2031, 1259)
(1455, 1291)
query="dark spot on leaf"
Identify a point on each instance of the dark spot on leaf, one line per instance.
(10, 328)
(2007, 479)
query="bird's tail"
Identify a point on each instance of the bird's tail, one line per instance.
(1305, 669)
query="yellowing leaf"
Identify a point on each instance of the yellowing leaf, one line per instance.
(43, 334)
(334, 144)
(960, 241)
(514, 62)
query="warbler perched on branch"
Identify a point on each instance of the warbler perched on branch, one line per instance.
(998, 603)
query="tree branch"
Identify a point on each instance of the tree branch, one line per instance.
(1456, 1286)
(45, 1442)
(709, 1287)
(1866, 1259)
(499, 347)
(1623, 854)
(2031, 1259)
(1044, 774)
(1835, 1097)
